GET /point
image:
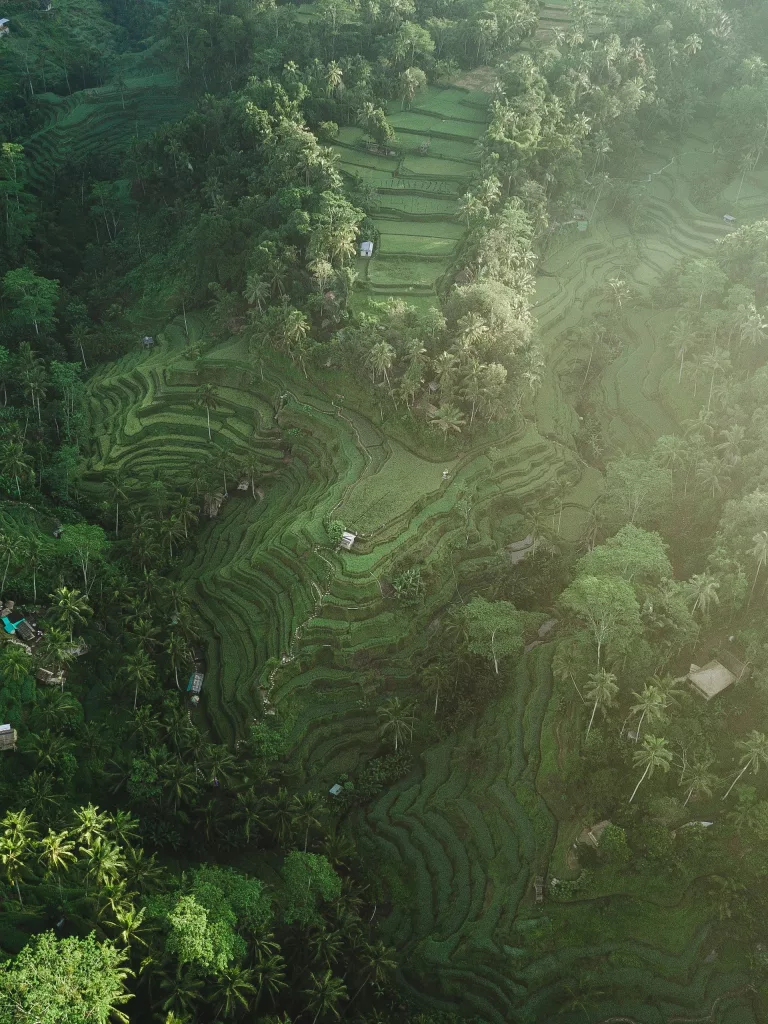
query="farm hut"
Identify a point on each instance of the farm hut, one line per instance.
(347, 540)
(591, 836)
(12, 619)
(49, 678)
(57, 530)
(713, 678)
(195, 683)
(366, 248)
(148, 341)
(335, 789)
(7, 737)
(212, 503)
(729, 218)
(244, 484)
(5, 27)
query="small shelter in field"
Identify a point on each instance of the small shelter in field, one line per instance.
(5, 27)
(729, 218)
(195, 684)
(50, 678)
(335, 789)
(591, 836)
(7, 737)
(148, 341)
(366, 248)
(15, 624)
(717, 675)
(347, 540)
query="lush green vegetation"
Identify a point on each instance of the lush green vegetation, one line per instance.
(538, 406)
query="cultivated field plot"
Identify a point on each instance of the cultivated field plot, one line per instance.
(103, 120)
(418, 186)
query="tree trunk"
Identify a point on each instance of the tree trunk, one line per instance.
(642, 779)
(737, 778)
(594, 709)
(208, 413)
(5, 574)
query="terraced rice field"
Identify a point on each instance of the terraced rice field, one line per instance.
(101, 120)
(458, 840)
(432, 161)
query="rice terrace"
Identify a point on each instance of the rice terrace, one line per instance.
(400, 474)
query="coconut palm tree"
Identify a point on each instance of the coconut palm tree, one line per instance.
(717, 361)
(324, 994)
(309, 808)
(653, 754)
(7, 549)
(256, 291)
(207, 397)
(269, 968)
(755, 755)
(651, 705)
(177, 649)
(15, 664)
(233, 990)
(17, 840)
(448, 418)
(115, 494)
(139, 670)
(15, 463)
(699, 779)
(70, 608)
(396, 718)
(380, 359)
(57, 852)
(601, 688)
(759, 552)
(703, 588)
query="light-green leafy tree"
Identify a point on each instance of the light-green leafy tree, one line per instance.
(309, 879)
(64, 981)
(495, 629)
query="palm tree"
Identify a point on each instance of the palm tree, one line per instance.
(717, 361)
(233, 990)
(15, 664)
(177, 649)
(256, 291)
(396, 717)
(703, 588)
(653, 754)
(7, 549)
(308, 809)
(70, 608)
(326, 991)
(33, 559)
(171, 529)
(378, 963)
(116, 494)
(380, 359)
(91, 823)
(18, 837)
(208, 398)
(755, 755)
(602, 689)
(448, 418)
(139, 670)
(699, 779)
(14, 462)
(651, 704)
(280, 814)
(185, 511)
(57, 852)
(269, 968)
(759, 552)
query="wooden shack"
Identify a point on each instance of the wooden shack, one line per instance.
(7, 737)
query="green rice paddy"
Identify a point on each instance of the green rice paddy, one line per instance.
(417, 188)
(458, 842)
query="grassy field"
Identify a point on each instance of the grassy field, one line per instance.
(417, 188)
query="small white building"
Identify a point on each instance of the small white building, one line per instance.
(729, 219)
(7, 737)
(5, 26)
(335, 789)
(710, 680)
(347, 540)
(366, 248)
